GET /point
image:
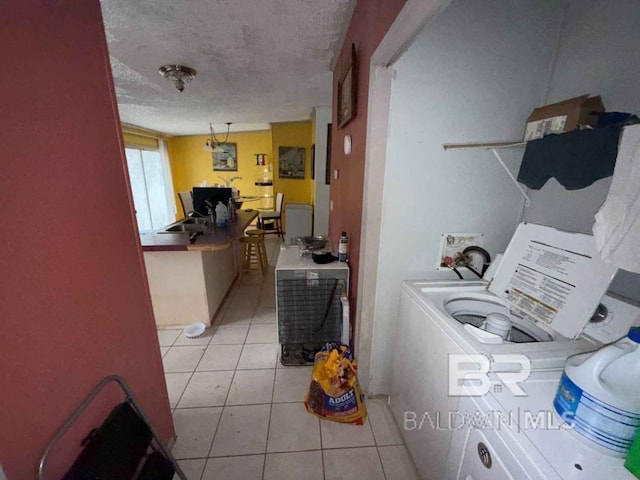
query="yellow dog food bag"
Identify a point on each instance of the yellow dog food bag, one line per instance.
(334, 393)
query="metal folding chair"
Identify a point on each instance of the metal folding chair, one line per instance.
(108, 456)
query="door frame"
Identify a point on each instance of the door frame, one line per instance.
(411, 20)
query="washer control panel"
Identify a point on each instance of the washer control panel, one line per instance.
(613, 319)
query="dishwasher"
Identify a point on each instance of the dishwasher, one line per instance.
(312, 305)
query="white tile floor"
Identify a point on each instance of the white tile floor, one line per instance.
(238, 413)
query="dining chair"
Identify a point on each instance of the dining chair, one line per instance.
(186, 200)
(273, 216)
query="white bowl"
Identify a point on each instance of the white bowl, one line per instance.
(195, 330)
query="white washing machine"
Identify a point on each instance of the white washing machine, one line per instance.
(501, 436)
(548, 285)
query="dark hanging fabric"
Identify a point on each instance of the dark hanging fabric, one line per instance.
(577, 158)
(114, 450)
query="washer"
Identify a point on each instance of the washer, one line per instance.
(548, 285)
(501, 436)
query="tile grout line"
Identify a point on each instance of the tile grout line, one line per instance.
(187, 384)
(213, 438)
(373, 430)
(195, 369)
(266, 441)
(235, 371)
(260, 403)
(273, 389)
(165, 379)
(204, 467)
(384, 473)
(224, 404)
(281, 452)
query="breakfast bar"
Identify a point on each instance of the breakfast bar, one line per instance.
(189, 280)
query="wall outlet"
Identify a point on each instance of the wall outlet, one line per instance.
(330, 209)
(335, 174)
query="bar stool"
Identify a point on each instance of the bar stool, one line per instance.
(254, 252)
(256, 232)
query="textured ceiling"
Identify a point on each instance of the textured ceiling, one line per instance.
(258, 61)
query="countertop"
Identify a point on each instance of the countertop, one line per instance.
(215, 239)
(290, 259)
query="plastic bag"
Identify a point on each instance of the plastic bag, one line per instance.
(334, 393)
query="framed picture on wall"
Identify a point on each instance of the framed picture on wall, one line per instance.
(291, 162)
(347, 92)
(227, 160)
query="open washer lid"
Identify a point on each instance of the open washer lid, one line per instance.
(552, 276)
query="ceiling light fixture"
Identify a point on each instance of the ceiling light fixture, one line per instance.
(213, 145)
(178, 75)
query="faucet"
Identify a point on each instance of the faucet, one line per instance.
(194, 213)
(229, 181)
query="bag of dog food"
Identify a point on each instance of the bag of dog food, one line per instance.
(334, 393)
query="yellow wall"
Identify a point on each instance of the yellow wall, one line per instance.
(190, 166)
(311, 166)
(293, 134)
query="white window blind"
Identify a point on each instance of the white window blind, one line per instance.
(151, 187)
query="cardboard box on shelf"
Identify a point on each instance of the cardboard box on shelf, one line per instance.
(563, 116)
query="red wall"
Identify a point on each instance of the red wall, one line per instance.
(75, 305)
(370, 22)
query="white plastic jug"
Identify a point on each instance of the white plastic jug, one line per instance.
(599, 395)
(221, 215)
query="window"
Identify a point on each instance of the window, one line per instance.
(151, 187)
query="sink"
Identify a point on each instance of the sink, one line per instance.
(195, 221)
(188, 227)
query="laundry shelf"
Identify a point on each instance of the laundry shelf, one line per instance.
(482, 145)
(493, 146)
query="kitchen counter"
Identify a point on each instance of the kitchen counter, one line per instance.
(215, 239)
(189, 281)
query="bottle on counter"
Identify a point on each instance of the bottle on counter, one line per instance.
(221, 215)
(231, 209)
(211, 212)
(343, 248)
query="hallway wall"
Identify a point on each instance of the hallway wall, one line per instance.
(371, 20)
(75, 303)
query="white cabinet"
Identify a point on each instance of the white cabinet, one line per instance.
(189, 286)
(299, 221)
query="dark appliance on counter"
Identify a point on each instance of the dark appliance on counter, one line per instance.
(211, 194)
